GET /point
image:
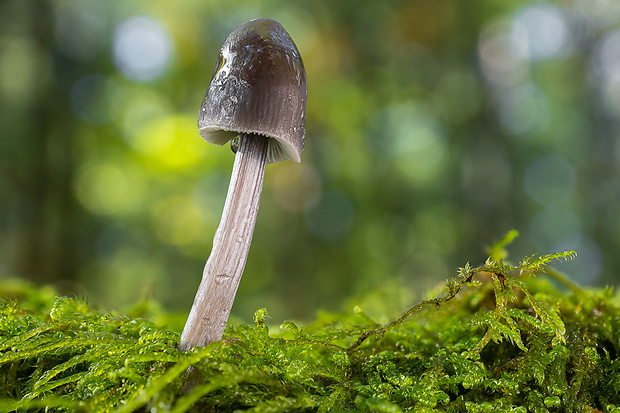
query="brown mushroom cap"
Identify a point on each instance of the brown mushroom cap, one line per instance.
(259, 87)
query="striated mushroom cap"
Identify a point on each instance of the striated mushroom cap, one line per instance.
(259, 86)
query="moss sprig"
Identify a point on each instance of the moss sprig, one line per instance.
(500, 322)
(499, 339)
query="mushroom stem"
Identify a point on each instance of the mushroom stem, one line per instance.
(231, 244)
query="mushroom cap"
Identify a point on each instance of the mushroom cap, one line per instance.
(259, 86)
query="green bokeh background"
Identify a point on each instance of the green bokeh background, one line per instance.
(433, 128)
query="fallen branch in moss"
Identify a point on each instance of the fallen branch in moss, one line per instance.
(509, 342)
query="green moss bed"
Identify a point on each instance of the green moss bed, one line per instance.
(499, 338)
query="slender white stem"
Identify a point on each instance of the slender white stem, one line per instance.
(231, 244)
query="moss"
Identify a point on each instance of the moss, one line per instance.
(499, 339)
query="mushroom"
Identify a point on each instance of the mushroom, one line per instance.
(258, 92)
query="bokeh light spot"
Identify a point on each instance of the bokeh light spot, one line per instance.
(412, 139)
(550, 180)
(499, 55)
(611, 93)
(541, 31)
(171, 143)
(606, 56)
(137, 107)
(605, 63)
(600, 13)
(106, 189)
(552, 224)
(586, 268)
(141, 48)
(525, 110)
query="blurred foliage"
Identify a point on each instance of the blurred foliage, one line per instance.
(433, 127)
(498, 340)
